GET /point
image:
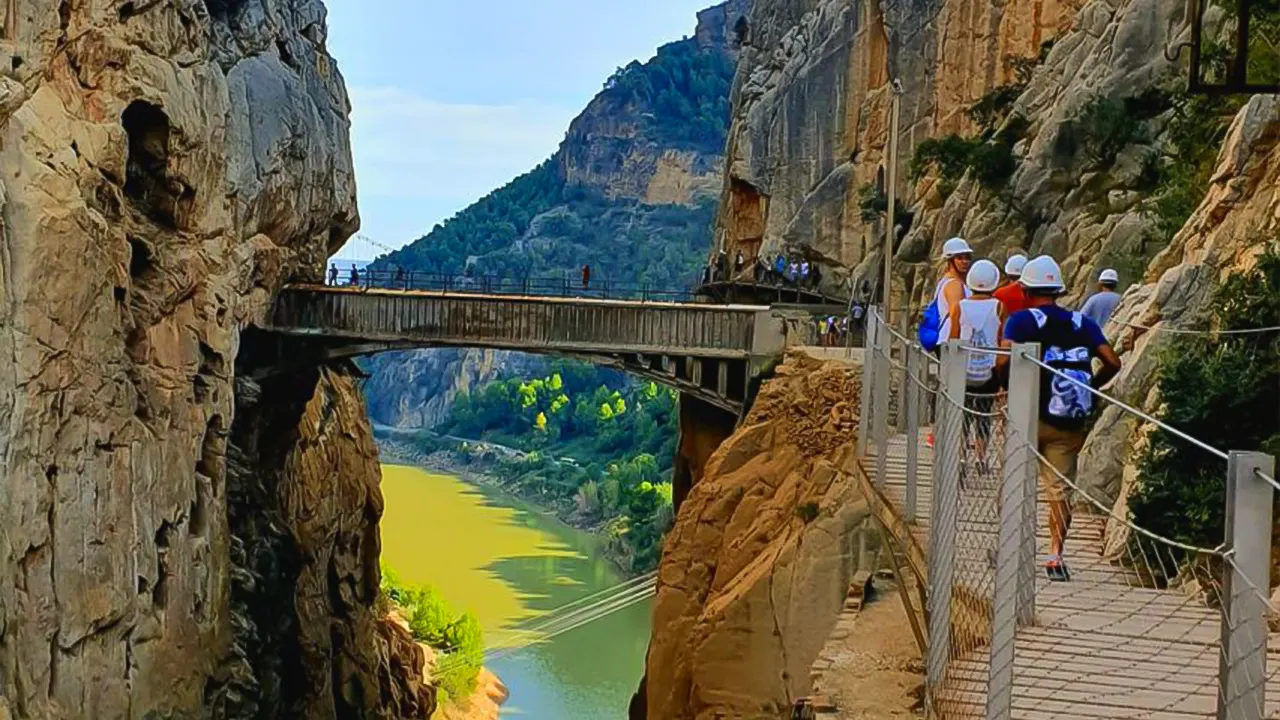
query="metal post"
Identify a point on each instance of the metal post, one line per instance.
(1014, 590)
(912, 392)
(1242, 664)
(942, 526)
(868, 381)
(1021, 437)
(894, 107)
(881, 401)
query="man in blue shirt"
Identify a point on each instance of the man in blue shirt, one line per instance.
(1102, 304)
(1069, 342)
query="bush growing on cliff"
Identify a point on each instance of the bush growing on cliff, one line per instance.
(457, 639)
(991, 161)
(1224, 390)
(1103, 127)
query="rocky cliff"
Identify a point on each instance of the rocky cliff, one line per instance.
(756, 569)
(164, 168)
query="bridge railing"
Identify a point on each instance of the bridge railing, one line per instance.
(1146, 626)
(563, 286)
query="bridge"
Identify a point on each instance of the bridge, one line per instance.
(713, 352)
(1147, 627)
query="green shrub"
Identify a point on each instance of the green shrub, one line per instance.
(1223, 390)
(1102, 128)
(991, 161)
(458, 639)
(874, 205)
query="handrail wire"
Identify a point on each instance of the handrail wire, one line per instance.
(1182, 331)
(1159, 423)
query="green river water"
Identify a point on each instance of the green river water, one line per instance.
(509, 564)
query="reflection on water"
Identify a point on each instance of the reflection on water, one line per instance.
(509, 564)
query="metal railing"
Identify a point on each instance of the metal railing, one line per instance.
(1146, 626)
(563, 286)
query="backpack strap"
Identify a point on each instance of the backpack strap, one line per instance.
(1040, 317)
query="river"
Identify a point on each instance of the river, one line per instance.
(508, 563)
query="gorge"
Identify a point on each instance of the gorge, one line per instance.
(190, 528)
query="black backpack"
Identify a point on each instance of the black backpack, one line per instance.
(1065, 347)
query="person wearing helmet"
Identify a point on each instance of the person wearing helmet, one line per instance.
(1069, 342)
(951, 289)
(1102, 304)
(978, 321)
(1012, 295)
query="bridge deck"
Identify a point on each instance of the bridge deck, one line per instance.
(1102, 646)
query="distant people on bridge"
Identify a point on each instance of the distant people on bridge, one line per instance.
(586, 276)
(793, 272)
(355, 275)
(760, 270)
(401, 281)
(1011, 294)
(779, 268)
(977, 321)
(706, 274)
(739, 264)
(1069, 342)
(804, 273)
(815, 276)
(1102, 304)
(333, 273)
(722, 266)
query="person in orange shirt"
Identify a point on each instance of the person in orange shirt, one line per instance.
(1012, 295)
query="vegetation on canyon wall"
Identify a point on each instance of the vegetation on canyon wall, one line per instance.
(539, 224)
(456, 637)
(1223, 389)
(619, 438)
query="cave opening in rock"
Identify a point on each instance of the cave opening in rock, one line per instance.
(223, 10)
(140, 261)
(147, 182)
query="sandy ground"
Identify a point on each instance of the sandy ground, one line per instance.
(870, 666)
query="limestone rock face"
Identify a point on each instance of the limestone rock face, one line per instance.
(611, 147)
(164, 167)
(417, 388)
(756, 569)
(810, 111)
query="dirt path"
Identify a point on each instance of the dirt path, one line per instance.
(870, 666)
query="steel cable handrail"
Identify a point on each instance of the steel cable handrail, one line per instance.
(1124, 406)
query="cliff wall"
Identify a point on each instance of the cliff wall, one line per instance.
(756, 570)
(164, 167)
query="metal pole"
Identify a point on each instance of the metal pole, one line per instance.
(890, 221)
(1022, 435)
(881, 402)
(943, 516)
(1015, 494)
(912, 392)
(868, 381)
(1242, 664)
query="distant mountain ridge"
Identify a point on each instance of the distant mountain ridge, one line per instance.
(632, 191)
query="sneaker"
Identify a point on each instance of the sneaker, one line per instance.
(1056, 569)
(928, 440)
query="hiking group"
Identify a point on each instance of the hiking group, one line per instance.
(986, 312)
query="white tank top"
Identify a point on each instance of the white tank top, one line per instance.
(979, 327)
(944, 309)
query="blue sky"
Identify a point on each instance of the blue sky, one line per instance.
(453, 98)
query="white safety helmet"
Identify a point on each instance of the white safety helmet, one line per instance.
(984, 276)
(1042, 273)
(1109, 277)
(1013, 267)
(955, 246)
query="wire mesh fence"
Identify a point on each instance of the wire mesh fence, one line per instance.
(1045, 601)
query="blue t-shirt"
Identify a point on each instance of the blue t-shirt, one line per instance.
(1022, 327)
(1099, 307)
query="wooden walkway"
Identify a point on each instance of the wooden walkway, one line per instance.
(1102, 646)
